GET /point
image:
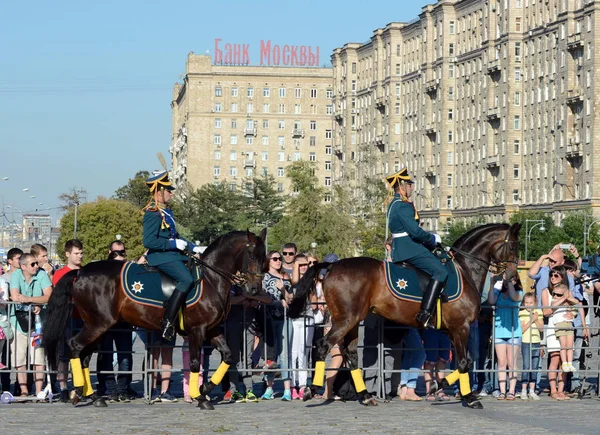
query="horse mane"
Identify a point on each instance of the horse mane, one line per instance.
(476, 233)
(223, 240)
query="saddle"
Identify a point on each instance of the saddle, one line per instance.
(408, 283)
(149, 286)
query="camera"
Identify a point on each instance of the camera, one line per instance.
(565, 246)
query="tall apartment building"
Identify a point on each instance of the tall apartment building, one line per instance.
(491, 104)
(36, 228)
(232, 122)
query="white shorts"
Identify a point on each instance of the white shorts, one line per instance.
(552, 343)
(20, 346)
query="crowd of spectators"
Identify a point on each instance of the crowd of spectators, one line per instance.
(516, 328)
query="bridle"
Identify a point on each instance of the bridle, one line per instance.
(241, 276)
(499, 266)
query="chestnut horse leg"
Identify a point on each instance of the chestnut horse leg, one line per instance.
(219, 343)
(196, 338)
(460, 339)
(88, 389)
(335, 336)
(351, 356)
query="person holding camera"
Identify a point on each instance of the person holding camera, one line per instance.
(506, 296)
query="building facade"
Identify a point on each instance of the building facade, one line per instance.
(233, 122)
(489, 103)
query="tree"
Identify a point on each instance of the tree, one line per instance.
(76, 196)
(309, 220)
(135, 191)
(539, 242)
(371, 217)
(99, 222)
(211, 211)
(266, 203)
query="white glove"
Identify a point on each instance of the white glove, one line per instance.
(438, 239)
(498, 285)
(180, 244)
(197, 250)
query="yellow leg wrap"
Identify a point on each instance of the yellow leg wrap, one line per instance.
(194, 390)
(77, 372)
(319, 377)
(359, 383)
(438, 317)
(181, 319)
(217, 376)
(453, 377)
(465, 384)
(88, 390)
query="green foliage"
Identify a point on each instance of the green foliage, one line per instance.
(308, 220)
(98, 223)
(371, 218)
(457, 229)
(135, 191)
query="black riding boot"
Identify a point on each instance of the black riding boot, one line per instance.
(176, 300)
(432, 292)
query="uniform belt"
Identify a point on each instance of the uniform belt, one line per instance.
(397, 235)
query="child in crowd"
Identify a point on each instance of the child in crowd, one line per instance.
(563, 324)
(185, 354)
(532, 321)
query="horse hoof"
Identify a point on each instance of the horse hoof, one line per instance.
(308, 394)
(75, 397)
(203, 404)
(370, 402)
(100, 403)
(473, 402)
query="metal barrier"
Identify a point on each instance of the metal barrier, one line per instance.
(376, 345)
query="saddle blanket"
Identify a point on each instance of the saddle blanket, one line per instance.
(403, 282)
(143, 286)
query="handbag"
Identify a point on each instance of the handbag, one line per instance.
(26, 325)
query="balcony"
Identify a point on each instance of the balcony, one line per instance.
(379, 141)
(492, 162)
(430, 130)
(337, 150)
(574, 42)
(432, 86)
(250, 163)
(574, 150)
(574, 96)
(493, 66)
(493, 114)
(430, 172)
(298, 132)
(338, 116)
(380, 103)
(250, 132)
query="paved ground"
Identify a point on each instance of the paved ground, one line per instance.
(313, 417)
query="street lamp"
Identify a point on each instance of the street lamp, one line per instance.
(586, 234)
(536, 223)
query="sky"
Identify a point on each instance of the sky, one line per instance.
(85, 87)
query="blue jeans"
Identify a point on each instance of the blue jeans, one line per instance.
(413, 356)
(282, 330)
(531, 360)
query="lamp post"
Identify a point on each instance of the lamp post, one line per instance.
(586, 234)
(536, 223)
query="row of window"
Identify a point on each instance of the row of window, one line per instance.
(281, 156)
(249, 172)
(266, 92)
(266, 108)
(252, 124)
(233, 140)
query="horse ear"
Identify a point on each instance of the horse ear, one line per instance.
(263, 234)
(515, 228)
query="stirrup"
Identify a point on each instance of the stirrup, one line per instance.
(168, 330)
(424, 317)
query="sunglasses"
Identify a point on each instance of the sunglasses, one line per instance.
(275, 258)
(289, 253)
(310, 263)
(122, 253)
(554, 275)
(35, 263)
(302, 264)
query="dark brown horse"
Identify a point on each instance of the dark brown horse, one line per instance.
(356, 286)
(237, 257)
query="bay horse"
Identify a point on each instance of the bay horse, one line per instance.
(353, 287)
(237, 257)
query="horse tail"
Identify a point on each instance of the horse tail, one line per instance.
(58, 314)
(303, 289)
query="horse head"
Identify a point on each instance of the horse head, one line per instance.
(253, 262)
(493, 245)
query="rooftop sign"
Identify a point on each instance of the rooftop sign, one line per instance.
(270, 54)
